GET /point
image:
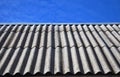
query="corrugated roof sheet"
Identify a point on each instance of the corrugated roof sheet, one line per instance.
(59, 48)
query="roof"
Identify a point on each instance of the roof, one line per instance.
(59, 49)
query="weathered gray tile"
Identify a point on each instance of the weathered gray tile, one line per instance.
(59, 48)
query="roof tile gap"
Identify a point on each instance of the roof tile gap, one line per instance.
(95, 46)
(34, 47)
(105, 31)
(88, 46)
(50, 46)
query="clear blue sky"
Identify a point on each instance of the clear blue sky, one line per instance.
(42, 11)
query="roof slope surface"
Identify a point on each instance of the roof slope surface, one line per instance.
(59, 48)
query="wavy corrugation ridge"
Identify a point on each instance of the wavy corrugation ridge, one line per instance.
(59, 49)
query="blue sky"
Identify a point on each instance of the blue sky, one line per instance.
(62, 11)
